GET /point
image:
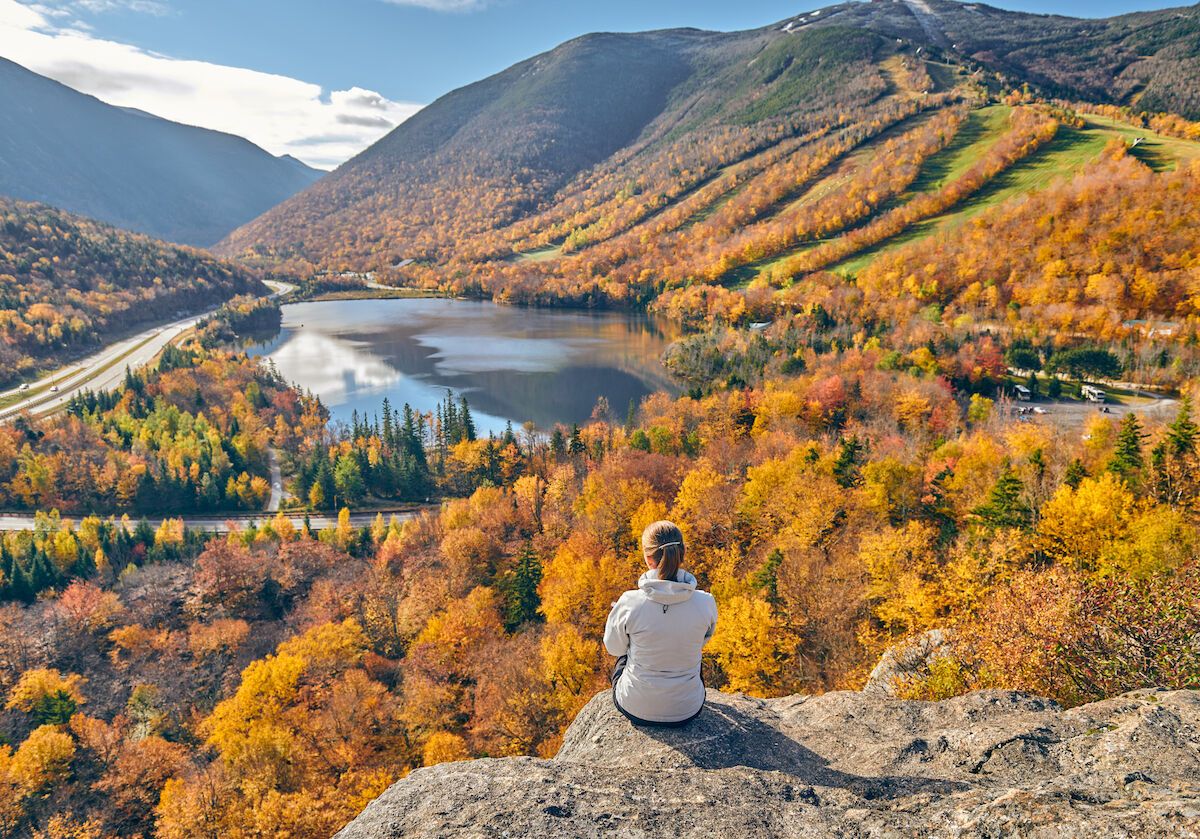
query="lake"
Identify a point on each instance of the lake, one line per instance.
(512, 364)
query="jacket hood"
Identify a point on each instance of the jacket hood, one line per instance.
(665, 591)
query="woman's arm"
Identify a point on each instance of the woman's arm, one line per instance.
(616, 637)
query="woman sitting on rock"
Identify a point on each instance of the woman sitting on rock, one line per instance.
(657, 631)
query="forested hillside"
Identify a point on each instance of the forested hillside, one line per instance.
(279, 679)
(676, 105)
(131, 169)
(68, 283)
(937, 278)
(651, 133)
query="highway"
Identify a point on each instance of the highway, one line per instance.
(105, 369)
(219, 524)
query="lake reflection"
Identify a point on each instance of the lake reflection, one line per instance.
(545, 365)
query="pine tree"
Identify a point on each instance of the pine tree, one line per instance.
(1126, 460)
(1173, 459)
(1075, 474)
(575, 446)
(389, 431)
(767, 577)
(520, 590)
(468, 424)
(1182, 433)
(1005, 507)
(21, 588)
(846, 464)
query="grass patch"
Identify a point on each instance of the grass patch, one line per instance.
(1159, 152)
(542, 254)
(982, 128)
(1068, 153)
(1061, 158)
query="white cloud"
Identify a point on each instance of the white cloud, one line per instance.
(149, 7)
(279, 113)
(443, 5)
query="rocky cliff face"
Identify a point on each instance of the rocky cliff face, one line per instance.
(992, 764)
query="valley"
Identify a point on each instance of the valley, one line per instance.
(105, 370)
(893, 309)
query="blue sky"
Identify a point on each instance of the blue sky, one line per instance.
(326, 77)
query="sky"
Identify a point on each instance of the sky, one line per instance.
(323, 79)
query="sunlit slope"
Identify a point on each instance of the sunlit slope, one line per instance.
(1070, 151)
(592, 123)
(615, 168)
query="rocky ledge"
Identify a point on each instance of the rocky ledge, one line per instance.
(992, 764)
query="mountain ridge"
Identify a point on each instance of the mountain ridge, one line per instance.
(517, 142)
(126, 167)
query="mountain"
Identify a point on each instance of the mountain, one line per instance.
(1149, 60)
(490, 153)
(125, 167)
(69, 283)
(538, 155)
(992, 763)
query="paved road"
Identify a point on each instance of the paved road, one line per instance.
(21, 521)
(105, 370)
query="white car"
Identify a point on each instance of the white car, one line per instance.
(54, 388)
(23, 387)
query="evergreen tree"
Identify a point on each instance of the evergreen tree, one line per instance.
(1126, 460)
(558, 442)
(1075, 474)
(324, 481)
(1182, 432)
(575, 446)
(520, 590)
(1173, 459)
(348, 479)
(491, 461)
(55, 708)
(467, 424)
(1005, 507)
(42, 574)
(846, 464)
(21, 587)
(767, 577)
(389, 433)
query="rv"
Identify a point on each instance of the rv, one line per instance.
(1092, 394)
(1023, 394)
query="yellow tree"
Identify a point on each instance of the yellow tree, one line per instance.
(1082, 527)
(904, 578)
(747, 646)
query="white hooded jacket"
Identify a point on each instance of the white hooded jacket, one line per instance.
(662, 626)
